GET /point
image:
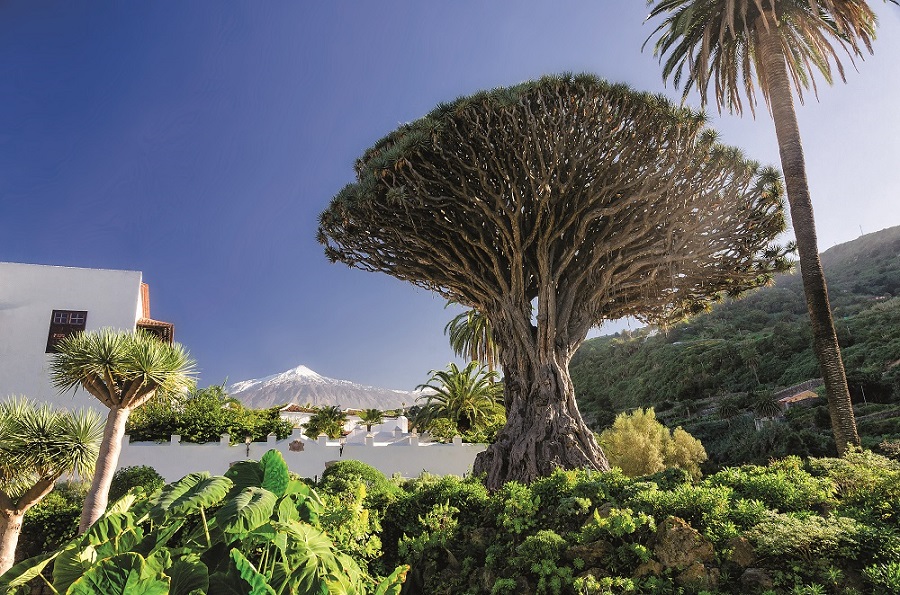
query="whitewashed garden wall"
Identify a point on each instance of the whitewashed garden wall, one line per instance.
(407, 455)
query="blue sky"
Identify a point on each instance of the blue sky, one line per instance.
(198, 142)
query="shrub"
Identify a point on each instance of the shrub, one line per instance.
(885, 578)
(203, 415)
(53, 521)
(639, 445)
(126, 478)
(784, 537)
(783, 485)
(378, 487)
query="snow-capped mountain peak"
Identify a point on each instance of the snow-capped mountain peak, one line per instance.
(302, 385)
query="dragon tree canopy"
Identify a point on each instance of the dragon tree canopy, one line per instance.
(586, 200)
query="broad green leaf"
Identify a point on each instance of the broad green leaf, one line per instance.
(124, 574)
(227, 583)
(305, 501)
(158, 562)
(109, 527)
(244, 474)
(158, 538)
(246, 511)
(188, 494)
(257, 581)
(309, 559)
(73, 561)
(124, 503)
(287, 509)
(275, 472)
(188, 574)
(392, 584)
(24, 571)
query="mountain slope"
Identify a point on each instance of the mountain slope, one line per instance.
(760, 342)
(301, 385)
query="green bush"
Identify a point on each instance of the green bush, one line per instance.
(142, 476)
(640, 445)
(884, 578)
(806, 538)
(783, 485)
(52, 521)
(203, 415)
(338, 476)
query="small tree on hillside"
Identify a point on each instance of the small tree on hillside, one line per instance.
(550, 207)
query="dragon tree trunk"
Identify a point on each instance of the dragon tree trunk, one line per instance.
(544, 429)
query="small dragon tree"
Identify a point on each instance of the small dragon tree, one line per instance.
(550, 207)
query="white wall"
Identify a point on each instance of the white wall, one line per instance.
(174, 460)
(28, 295)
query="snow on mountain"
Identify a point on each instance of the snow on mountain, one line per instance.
(301, 385)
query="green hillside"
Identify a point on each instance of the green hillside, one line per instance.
(757, 344)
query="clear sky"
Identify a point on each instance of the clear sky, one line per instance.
(198, 142)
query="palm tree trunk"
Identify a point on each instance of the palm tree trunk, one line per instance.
(10, 527)
(825, 343)
(107, 461)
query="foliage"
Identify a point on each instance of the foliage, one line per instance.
(204, 415)
(328, 420)
(53, 521)
(784, 486)
(814, 526)
(262, 535)
(139, 476)
(371, 417)
(467, 397)
(120, 369)
(707, 360)
(472, 337)
(639, 445)
(38, 445)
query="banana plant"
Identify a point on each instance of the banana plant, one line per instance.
(254, 531)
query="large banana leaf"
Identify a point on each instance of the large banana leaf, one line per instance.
(245, 512)
(124, 574)
(190, 493)
(73, 561)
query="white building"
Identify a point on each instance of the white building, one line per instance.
(39, 305)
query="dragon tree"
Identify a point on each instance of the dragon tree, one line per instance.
(550, 207)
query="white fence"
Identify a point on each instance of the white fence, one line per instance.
(407, 456)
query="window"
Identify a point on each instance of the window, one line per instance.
(64, 323)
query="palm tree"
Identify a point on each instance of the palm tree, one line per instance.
(327, 420)
(467, 397)
(727, 410)
(471, 337)
(123, 371)
(371, 417)
(729, 44)
(38, 445)
(766, 405)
